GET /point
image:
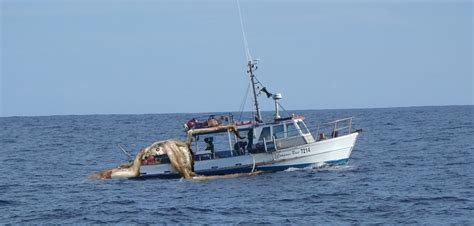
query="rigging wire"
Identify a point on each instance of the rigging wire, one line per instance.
(249, 59)
(247, 52)
(246, 44)
(242, 104)
(288, 113)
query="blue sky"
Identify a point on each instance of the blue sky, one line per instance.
(135, 57)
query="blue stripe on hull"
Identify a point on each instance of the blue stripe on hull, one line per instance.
(205, 173)
(156, 176)
(338, 162)
(285, 167)
(268, 168)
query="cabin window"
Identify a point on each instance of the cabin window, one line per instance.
(291, 130)
(303, 127)
(265, 134)
(278, 131)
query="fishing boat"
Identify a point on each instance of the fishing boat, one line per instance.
(222, 145)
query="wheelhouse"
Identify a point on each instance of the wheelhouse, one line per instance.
(281, 134)
(231, 140)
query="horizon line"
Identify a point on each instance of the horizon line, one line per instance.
(210, 112)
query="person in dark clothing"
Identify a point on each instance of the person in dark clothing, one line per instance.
(239, 147)
(250, 138)
(209, 144)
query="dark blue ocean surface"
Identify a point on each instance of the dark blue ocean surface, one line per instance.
(411, 165)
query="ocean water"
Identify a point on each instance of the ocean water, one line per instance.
(410, 166)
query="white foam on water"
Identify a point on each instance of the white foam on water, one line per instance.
(310, 167)
(335, 167)
(319, 165)
(292, 169)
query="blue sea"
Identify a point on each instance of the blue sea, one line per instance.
(410, 166)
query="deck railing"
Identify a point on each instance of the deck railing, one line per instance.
(334, 129)
(322, 131)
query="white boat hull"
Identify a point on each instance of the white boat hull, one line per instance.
(331, 151)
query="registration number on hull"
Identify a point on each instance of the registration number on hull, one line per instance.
(291, 153)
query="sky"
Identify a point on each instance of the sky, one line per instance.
(139, 57)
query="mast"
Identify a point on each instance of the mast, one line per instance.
(252, 67)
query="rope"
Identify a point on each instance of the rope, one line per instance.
(253, 167)
(125, 151)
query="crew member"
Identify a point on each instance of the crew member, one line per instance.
(209, 145)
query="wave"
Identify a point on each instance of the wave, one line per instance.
(7, 203)
(439, 198)
(197, 209)
(457, 163)
(8, 141)
(120, 202)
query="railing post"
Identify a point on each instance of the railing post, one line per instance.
(197, 146)
(265, 144)
(230, 143)
(317, 130)
(274, 143)
(350, 125)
